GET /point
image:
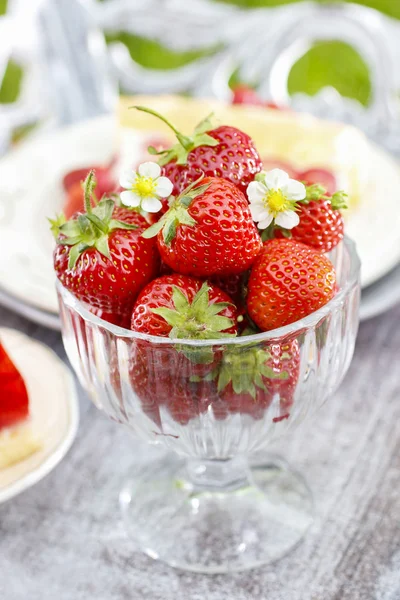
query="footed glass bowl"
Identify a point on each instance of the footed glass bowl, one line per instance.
(206, 507)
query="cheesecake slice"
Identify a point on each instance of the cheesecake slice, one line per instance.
(17, 441)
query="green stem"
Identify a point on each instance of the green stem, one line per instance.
(88, 187)
(186, 142)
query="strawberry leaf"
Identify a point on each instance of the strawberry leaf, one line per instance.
(114, 224)
(75, 253)
(169, 231)
(198, 319)
(179, 299)
(154, 229)
(55, 224)
(204, 125)
(339, 200)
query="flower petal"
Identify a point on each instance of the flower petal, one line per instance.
(129, 198)
(128, 179)
(151, 204)
(258, 211)
(294, 190)
(256, 191)
(265, 222)
(287, 219)
(149, 169)
(164, 187)
(276, 179)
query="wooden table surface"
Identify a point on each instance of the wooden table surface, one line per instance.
(64, 540)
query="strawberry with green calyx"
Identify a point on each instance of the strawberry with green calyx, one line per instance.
(101, 256)
(223, 152)
(317, 192)
(288, 281)
(183, 307)
(284, 207)
(321, 224)
(208, 230)
(248, 378)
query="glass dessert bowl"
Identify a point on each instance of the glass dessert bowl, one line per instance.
(203, 507)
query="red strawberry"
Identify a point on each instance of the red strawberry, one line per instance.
(250, 378)
(188, 400)
(288, 281)
(208, 231)
(159, 382)
(284, 358)
(232, 285)
(14, 401)
(102, 257)
(223, 152)
(320, 176)
(122, 320)
(244, 94)
(321, 223)
(184, 307)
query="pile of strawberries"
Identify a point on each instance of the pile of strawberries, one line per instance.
(205, 244)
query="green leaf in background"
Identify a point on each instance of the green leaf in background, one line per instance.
(22, 131)
(335, 64)
(152, 55)
(3, 7)
(389, 7)
(10, 87)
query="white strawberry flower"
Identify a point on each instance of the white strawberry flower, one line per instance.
(273, 197)
(144, 188)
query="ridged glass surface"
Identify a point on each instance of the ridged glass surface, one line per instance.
(228, 513)
(163, 396)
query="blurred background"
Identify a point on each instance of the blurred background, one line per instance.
(70, 62)
(64, 59)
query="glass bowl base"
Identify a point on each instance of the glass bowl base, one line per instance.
(219, 526)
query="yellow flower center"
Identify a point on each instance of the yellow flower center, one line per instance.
(276, 202)
(144, 186)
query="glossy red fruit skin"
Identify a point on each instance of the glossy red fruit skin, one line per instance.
(122, 320)
(165, 390)
(288, 281)
(235, 159)
(14, 400)
(112, 284)
(224, 240)
(322, 176)
(245, 404)
(320, 227)
(231, 285)
(158, 294)
(284, 358)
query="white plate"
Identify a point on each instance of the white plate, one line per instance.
(30, 191)
(54, 412)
